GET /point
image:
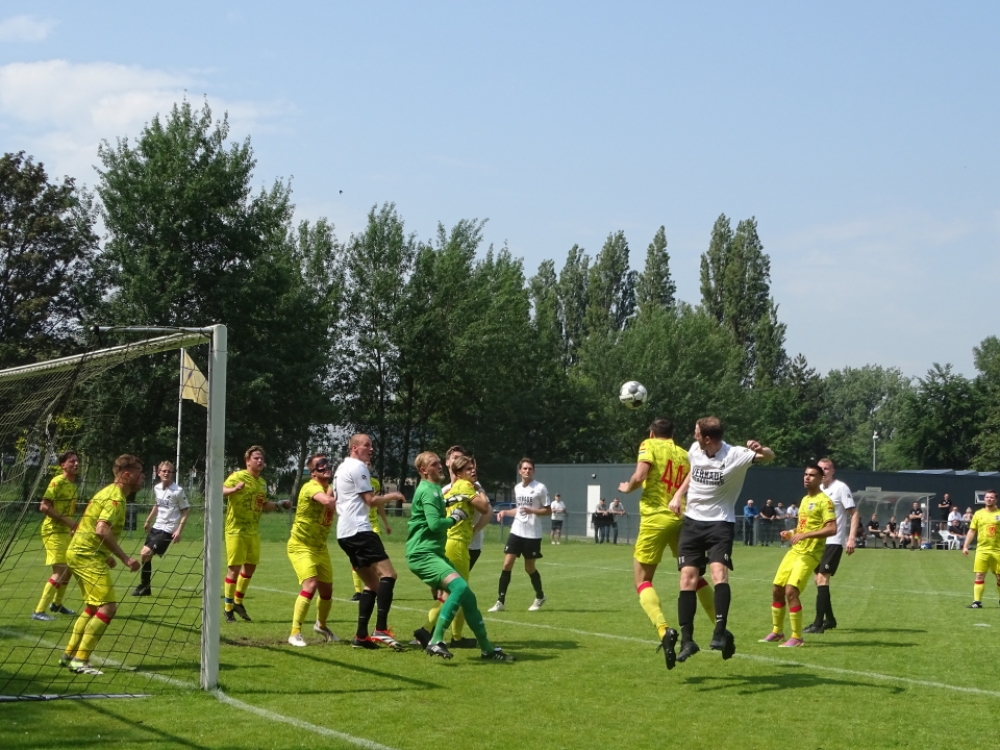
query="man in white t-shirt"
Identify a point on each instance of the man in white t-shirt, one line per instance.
(558, 519)
(525, 536)
(836, 545)
(711, 488)
(355, 497)
(171, 511)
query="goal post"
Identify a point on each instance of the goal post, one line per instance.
(74, 403)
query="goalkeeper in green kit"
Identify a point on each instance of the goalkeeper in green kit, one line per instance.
(425, 540)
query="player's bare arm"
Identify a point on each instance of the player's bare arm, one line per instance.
(107, 537)
(176, 536)
(484, 519)
(482, 504)
(677, 501)
(637, 478)
(149, 518)
(227, 491)
(970, 537)
(46, 507)
(828, 529)
(764, 454)
(849, 546)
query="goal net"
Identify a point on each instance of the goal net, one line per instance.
(168, 638)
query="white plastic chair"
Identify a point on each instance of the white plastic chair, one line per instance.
(950, 540)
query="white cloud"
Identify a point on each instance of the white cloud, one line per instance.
(59, 112)
(24, 29)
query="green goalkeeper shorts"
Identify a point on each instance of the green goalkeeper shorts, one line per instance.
(430, 568)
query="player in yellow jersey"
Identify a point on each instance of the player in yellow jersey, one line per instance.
(308, 552)
(817, 521)
(379, 520)
(246, 498)
(660, 470)
(91, 554)
(983, 530)
(463, 494)
(59, 506)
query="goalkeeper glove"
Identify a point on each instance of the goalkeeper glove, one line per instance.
(458, 515)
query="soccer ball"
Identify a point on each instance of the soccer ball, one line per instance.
(633, 394)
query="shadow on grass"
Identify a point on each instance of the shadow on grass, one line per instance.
(789, 680)
(44, 732)
(555, 645)
(878, 630)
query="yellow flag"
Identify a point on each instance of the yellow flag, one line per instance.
(195, 387)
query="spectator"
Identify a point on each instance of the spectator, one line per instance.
(945, 507)
(750, 512)
(614, 512)
(767, 515)
(558, 519)
(600, 522)
(916, 525)
(966, 520)
(876, 531)
(905, 535)
(892, 531)
(791, 517)
(955, 521)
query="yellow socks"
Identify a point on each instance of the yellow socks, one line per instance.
(323, 611)
(359, 585)
(91, 635)
(795, 616)
(706, 597)
(79, 627)
(242, 584)
(777, 617)
(299, 612)
(49, 593)
(978, 589)
(650, 604)
(228, 590)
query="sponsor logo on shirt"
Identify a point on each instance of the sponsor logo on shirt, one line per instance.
(707, 476)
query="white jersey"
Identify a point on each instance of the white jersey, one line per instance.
(558, 510)
(842, 498)
(170, 501)
(350, 481)
(716, 482)
(477, 538)
(535, 496)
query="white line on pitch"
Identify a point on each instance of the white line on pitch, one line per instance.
(220, 696)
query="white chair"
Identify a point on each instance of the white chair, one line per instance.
(950, 540)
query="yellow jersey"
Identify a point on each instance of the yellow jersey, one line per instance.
(108, 505)
(62, 494)
(814, 512)
(668, 467)
(985, 523)
(313, 520)
(243, 508)
(373, 511)
(460, 495)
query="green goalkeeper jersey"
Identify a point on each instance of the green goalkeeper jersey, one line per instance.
(428, 527)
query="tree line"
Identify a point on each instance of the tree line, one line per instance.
(427, 342)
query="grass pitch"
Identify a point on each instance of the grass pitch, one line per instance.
(908, 666)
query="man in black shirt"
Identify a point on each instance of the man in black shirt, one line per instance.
(767, 515)
(875, 531)
(916, 525)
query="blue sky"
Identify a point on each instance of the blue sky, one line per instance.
(864, 139)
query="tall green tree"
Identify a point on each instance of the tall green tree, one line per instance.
(655, 286)
(47, 244)
(573, 302)
(189, 244)
(610, 288)
(940, 420)
(789, 415)
(987, 442)
(735, 290)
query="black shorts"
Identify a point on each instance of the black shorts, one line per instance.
(831, 559)
(518, 545)
(915, 528)
(473, 556)
(363, 549)
(557, 525)
(705, 542)
(159, 540)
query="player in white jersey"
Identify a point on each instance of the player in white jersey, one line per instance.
(171, 511)
(525, 536)
(355, 497)
(712, 488)
(836, 545)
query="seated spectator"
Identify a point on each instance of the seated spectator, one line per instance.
(876, 531)
(892, 531)
(905, 535)
(966, 520)
(860, 537)
(955, 521)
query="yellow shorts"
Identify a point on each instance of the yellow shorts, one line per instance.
(310, 563)
(242, 549)
(796, 569)
(458, 555)
(55, 548)
(987, 561)
(656, 533)
(94, 578)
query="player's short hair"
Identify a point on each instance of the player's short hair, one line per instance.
(65, 455)
(164, 465)
(525, 460)
(453, 450)
(828, 460)
(662, 428)
(815, 466)
(126, 462)
(710, 428)
(310, 463)
(462, 462)
(422, 460)
(990, 492)
(254, 449)
(358, 439)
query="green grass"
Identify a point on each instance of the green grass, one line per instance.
(902, 670)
